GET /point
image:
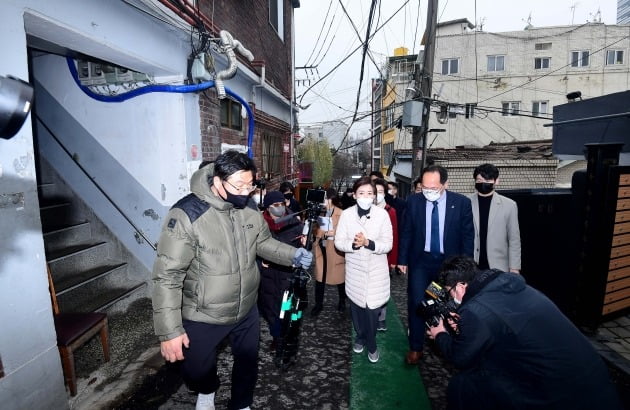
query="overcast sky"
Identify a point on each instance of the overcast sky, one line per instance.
(334, 97)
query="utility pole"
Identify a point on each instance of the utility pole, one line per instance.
(423, 83)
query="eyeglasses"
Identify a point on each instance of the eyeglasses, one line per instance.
(248, 188)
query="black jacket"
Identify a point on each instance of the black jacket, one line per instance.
(530, 355)
(274, 279)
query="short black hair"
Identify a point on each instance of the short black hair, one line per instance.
(231, 162)
(378, 174)
(392, 183)
(417, 181)
(436, 168)
(362, 181)
(458, 269)
(333, 195)
(487, 171)
(381, 182)
(285, 186)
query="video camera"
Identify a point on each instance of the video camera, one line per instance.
(314, 203)
(438, 306)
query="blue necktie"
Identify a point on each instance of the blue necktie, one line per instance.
(435, 229)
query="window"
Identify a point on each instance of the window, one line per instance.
(614, 57)
(470, 110)
(231, 114)
(539, 107)
(389, 120)
(276, 16)
(510, 108)
(496, 63)
(579, 58)
(271, 155)
(541, 63)
(387, 153)
(542, 46)
(377, 163)
(450, 66)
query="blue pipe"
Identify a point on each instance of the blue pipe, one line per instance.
(164, 88)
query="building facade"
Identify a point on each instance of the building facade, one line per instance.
(388, 95)
(501, 87)
(623, 11)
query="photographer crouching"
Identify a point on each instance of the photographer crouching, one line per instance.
(514, 348)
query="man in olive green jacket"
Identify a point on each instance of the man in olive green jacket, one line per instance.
(206, 278)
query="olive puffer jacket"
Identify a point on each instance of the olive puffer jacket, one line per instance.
(206, 269)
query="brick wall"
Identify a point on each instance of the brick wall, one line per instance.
(248, 22)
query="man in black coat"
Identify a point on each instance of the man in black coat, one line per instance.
(514, 348)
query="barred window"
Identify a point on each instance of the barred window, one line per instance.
(271, 154)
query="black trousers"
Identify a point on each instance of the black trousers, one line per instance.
(199, 368)
(364, 321)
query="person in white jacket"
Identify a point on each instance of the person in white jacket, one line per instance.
(364, 233)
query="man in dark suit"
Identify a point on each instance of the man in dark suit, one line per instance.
(437, 224)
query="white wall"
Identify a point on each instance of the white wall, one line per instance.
(520, 81)
(149, 138)
(28, 348)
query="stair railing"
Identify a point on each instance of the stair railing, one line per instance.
(138, 233)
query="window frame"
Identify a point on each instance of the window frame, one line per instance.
(227, 117)
(579, 62)
(538, 112)
(449, 62)
(386, 155)
(277, 21)
(543, 46)
(510, 108)
(272, 153)
(495, 57)
(614, 52)
(542, 59)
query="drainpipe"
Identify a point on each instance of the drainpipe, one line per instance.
(228, 44)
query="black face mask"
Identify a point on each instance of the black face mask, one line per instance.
(288, 195)
(484, 187)
(239, 201)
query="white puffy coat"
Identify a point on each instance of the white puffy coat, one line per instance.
(367, 272)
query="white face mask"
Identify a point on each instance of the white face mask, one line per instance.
(365, 203)
(380, 198)
(431, 195)
(391, 192)
(256, 198)
(459, 302)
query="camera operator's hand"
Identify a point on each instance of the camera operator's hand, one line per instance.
(302, 258)
(432, 332)
(452, 321)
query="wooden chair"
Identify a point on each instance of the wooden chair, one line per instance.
(73, 331)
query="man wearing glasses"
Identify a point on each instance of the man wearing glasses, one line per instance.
(206, 278)
(437, 224)
(514, 348)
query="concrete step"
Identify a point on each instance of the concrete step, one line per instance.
(59, 237)
(71, 260)
(83, 278)
(117, 299)
(56, 213)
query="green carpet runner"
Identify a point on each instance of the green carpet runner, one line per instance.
(388, 383)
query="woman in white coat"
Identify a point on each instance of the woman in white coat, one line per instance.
(364, 233)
